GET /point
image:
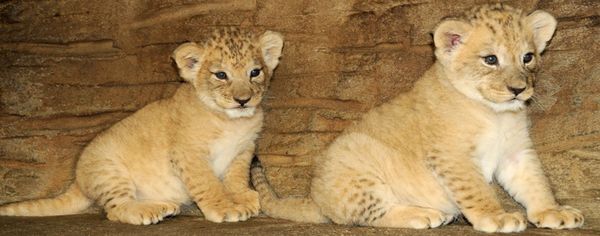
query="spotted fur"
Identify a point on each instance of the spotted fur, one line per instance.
(428, 155)
(194, 147)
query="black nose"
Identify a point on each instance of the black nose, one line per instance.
(242, 102)
(516, 91)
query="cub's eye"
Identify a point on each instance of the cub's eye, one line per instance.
(491, 60)
(221, 75)
(254, 73)
(527, 57)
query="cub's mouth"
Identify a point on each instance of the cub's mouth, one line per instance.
(240, 108)
(520, 98)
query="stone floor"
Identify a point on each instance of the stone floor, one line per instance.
(96, 224)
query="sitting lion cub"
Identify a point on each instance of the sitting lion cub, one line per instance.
(428, 155)
(196, 146)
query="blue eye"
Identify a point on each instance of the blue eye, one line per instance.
(221, 75)
(528, 57)
(491, 60)
(254, 73)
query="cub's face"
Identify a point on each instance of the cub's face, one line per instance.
(492, 55)
(231, 71)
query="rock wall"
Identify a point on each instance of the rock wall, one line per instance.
(70, 69)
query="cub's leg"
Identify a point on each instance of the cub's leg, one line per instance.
(236, 181)
(367, 200)
(522, 176)
(473, 195)
(106, 181)
(204, 187)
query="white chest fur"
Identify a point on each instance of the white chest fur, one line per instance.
(506, 135)
(235, 138)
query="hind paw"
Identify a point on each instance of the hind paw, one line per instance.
(503, 222)
(429, 218)
(142, 212)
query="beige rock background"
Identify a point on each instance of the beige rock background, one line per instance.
(70, 69)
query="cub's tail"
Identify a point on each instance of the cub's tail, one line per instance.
(73, 201)
(295, 209)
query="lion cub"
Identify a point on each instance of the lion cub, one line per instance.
(196, 146)
(428, 155)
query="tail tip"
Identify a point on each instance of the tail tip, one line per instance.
(256, 162)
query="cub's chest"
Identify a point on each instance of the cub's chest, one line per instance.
(504, 136)
(235, 138)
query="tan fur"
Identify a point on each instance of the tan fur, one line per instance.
(193, 147)
(428, 155)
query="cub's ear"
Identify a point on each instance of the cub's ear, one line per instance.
(271, 44)
(543, 25)
(448, 36)
(188, 57)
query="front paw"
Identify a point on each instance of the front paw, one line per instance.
(224, 210)
(562, 217)
(249, 200)
(503, 222)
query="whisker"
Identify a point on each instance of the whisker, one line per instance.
(535, 100)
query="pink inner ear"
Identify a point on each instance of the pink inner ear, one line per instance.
(454, 39)
(190, 62)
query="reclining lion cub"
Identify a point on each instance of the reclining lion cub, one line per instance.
(428, 155)
(196, 146)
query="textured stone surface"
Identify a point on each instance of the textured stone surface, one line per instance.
(70, 69)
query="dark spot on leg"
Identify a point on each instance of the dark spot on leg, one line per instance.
(378, 217)
(362, 201)
(108, 200)
(362, 212)
(463, 188)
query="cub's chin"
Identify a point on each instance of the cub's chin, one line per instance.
(240, 112)
(508, 106)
